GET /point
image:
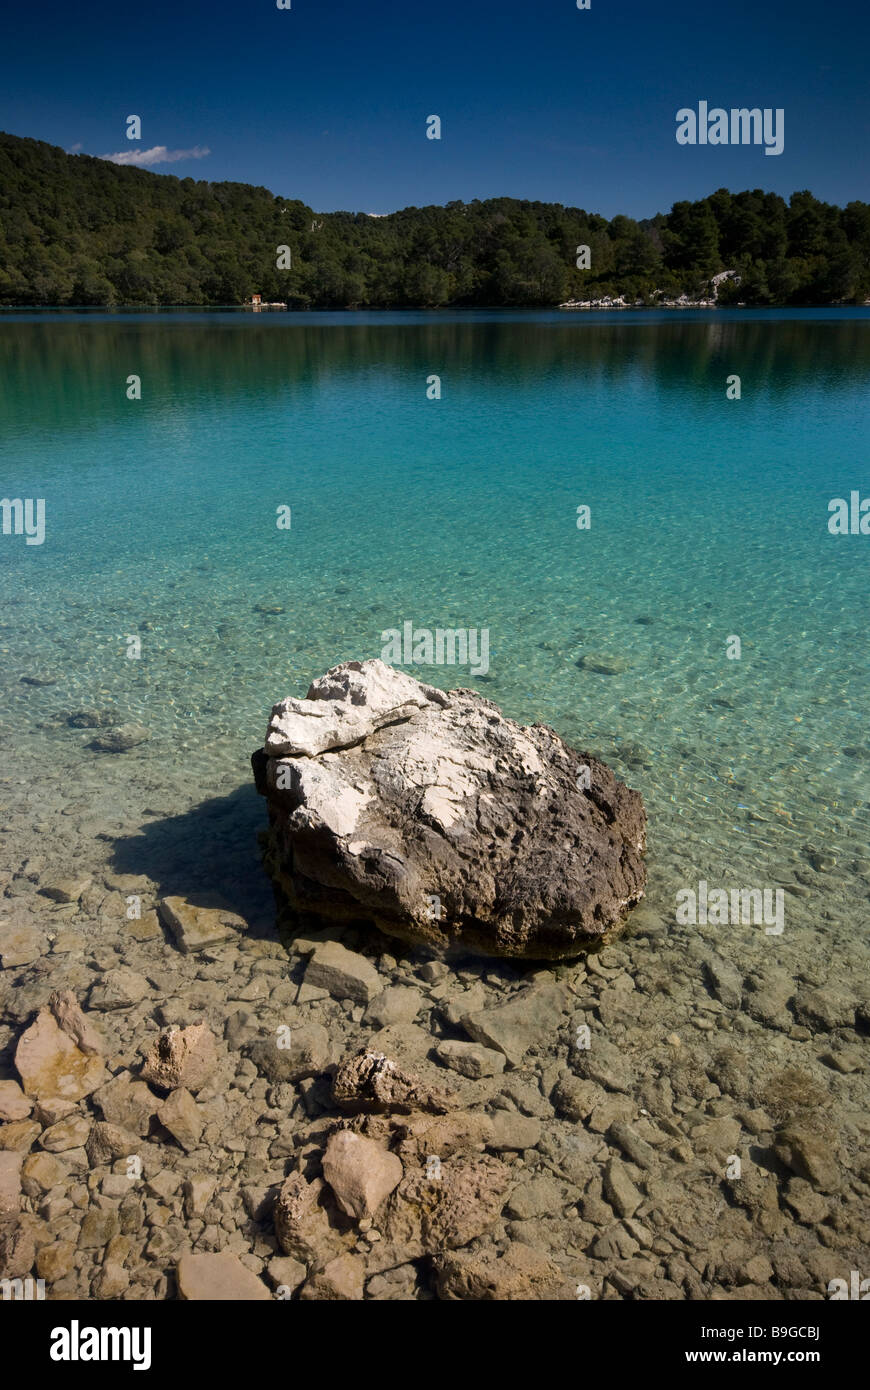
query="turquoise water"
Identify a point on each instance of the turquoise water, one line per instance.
(709, 520)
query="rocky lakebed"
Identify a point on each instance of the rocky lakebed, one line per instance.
(463, 1057)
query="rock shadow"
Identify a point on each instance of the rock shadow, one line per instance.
(209, 851)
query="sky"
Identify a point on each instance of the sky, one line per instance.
(327, 101)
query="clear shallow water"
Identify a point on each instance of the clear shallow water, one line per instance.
(709, 518)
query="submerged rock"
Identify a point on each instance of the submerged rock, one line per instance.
(440, 821)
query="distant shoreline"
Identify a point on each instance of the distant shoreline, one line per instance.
(595, 308)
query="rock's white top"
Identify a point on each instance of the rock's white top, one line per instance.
(344, 706)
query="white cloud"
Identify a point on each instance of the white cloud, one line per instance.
(158, 154)
(74, 149)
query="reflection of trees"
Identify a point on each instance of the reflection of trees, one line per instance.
(75, 370)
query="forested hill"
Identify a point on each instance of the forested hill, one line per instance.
(79, 230)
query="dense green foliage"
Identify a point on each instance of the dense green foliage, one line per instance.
(79, 230)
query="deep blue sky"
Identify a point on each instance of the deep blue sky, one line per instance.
(327, 101)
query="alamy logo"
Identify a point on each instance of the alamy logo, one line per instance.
(22, 1290)
(452, 646)
(76, 1343)
(741, 125)
(850, 518)
(736, 906)
(19, 519)
(857, 1288)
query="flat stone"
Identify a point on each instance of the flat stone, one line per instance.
(107, 1142)
(50, 1064)
(536, 1198)
(471, 1059)
(725, 980)
(513, 1028)
(40, 1172)
(512, 1131)
(20, 946)
(67, 888)
(98, 1228)
(55, 1261)
(196, 927)
(219, 1277)
(604, 663)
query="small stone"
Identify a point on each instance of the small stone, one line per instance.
(575, 1098)
(219, 1277)
(808, 1155)
(51, 1111)
(69, 1017)
(341, 1279)
(127, 1103)
(292, 1054)
(120, 988)
(725, 980)
(98, 1228)
(286, 1274)
(397, 1004)
(107, 1142)
(40, 1172)
(55, 1261)
(14, 1104)
(619, 1190)
(66, 1134)
(823, 1010)
(603, 663)
(111, 1282)
(19, 1135)
(198, 1192)
(536, 1198)
(181, 1057)
(182, 1117)
(471, 1059)
(360, 1172)
(346, 974)
(17, 1250)
(163, 1185)
(20, 946)
(120, 739)
(10, 1184)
